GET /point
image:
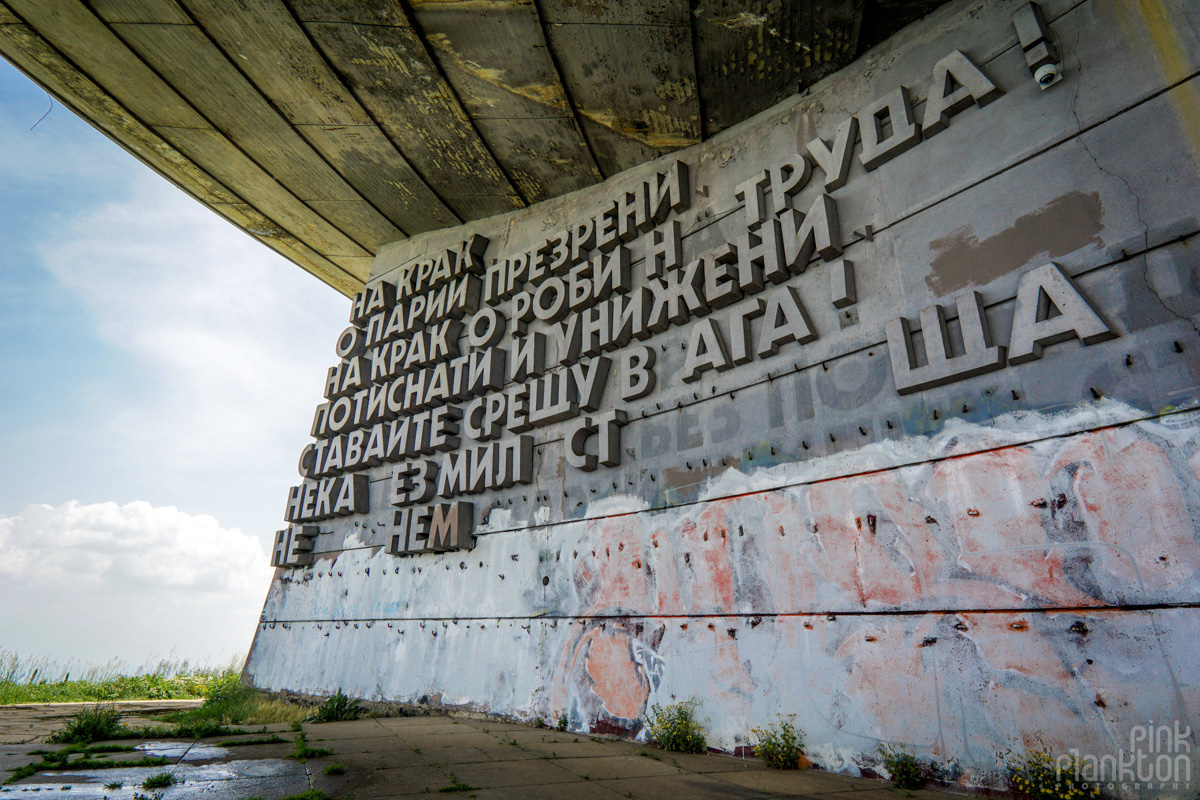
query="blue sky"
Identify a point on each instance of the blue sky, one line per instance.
(159, 374)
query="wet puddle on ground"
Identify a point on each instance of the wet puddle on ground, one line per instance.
(188, 751)
(218, 780)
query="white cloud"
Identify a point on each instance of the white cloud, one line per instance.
(106, 581)
(203, 356)
(237, 338)
(227, 342)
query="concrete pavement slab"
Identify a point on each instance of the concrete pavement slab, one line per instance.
(472, 755)
(542, 735)
(797, 782)
(550, 791)
(404, 756)
(360, 783)
(710, 762)
(616, 767)
(584, 748)
(354, 729)
(492, 726)
(499, 774)
(686, 786)
(387, 759)
(471, 739)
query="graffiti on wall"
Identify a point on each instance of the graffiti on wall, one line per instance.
(1017, 557)
(988, 596)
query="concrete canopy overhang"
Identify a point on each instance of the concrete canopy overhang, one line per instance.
(326, 128)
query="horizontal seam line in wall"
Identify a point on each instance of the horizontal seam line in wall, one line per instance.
(684, 24)
(776, 614)
(815, 481)
(951, 314)
(1073, 137)
(355, 24)
(726, 212)
(522, 119)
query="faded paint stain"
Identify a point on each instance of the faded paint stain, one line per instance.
(681, 91)
(549, 95)
(659, 130)
(744, 19)
(1062, 226)
(1173, 59)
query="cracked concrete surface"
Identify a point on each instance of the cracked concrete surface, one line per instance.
(402, 756)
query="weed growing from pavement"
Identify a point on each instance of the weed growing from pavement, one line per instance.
(335, 769)
(904, 768)
(675, 727)
(779, 745)
(303, 752)
(89, 725)
(457, 786)
(338, 708)
(162, 780)
(1037, 776)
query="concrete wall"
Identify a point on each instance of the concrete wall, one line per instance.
(1003, 562)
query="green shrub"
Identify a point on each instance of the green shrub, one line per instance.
(1035, 776)
(675, 727)
(89, 725)
(563, 721)
(780, 745)
(904, 768)
(337, 708)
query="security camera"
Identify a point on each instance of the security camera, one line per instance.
(1041, 54)
(1047, 75)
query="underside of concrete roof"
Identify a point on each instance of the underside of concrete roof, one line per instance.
(327, 128)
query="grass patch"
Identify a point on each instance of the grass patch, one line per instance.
(51, 765)
(245, 742)
(34, 680)
(162, 780)
(86, 749)
(457, 786)
(226, 705)
(335, 769)
(303, 752)
(338, 708)
(311, 794)
(227, 702)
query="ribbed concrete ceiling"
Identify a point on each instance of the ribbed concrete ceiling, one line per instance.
(326, 128)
